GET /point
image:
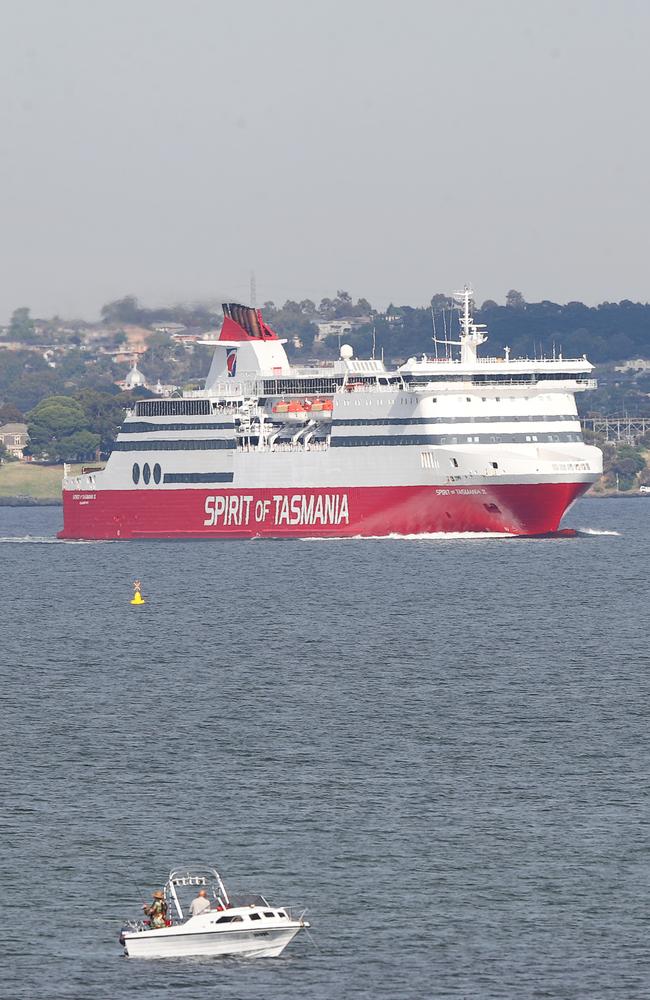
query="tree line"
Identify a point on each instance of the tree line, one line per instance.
(79, 428)
(85, 425)
(608, 332)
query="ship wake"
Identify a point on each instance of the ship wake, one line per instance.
(595, 532)
(432, 536)
(455, 536)
(49, 540)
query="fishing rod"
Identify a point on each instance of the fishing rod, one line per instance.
(140, 893)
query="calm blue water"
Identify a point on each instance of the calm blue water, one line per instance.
(440, 747)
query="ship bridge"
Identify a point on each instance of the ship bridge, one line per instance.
(446, 372)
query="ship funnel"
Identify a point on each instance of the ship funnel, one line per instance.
(248, 319)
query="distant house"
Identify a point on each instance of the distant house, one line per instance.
(341, 327)
(636, 365)
(334, 327)
(187, 339)
(16, 345)
(122, 356)
(170, 328)
(389, 317)
(14, 437)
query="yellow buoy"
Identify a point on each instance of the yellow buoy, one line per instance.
(137, 593)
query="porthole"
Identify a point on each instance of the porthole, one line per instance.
(157, 473)
(146, 473)
(135, 472)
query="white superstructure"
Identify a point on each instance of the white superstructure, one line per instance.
(350, 447)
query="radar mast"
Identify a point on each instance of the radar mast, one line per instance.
(471, 333)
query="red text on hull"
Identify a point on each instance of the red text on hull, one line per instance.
(521, 509)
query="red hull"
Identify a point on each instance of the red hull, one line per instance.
(525, 509)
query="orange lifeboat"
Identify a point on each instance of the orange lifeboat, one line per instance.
(322, 409)
(294, 412)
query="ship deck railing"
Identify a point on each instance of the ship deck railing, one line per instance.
(528, 381)
(484, 360)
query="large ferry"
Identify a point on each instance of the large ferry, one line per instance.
(458, 443)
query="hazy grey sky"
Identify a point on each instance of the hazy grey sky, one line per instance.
(165, 148)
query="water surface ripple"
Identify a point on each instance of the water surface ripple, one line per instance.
(439, 746)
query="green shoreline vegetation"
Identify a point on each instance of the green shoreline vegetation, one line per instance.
(27, 481)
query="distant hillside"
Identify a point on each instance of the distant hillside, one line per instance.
(605, 333)
(41, 358)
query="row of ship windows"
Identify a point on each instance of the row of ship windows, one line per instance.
(302, 386)
(202, 407)
(429, 461)
(496, 419)
(343, 441)
(142, 427)
(172, 407)
(405, 400)
(182, 444)
(525, 437)
(508, 378)
(176, 477)
(237, 919)
(146, 473)
(136, 427)
(352, 441)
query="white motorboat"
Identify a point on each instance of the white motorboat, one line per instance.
(231, 925)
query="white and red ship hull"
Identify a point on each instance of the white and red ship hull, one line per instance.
(522, 509)
(343, 450)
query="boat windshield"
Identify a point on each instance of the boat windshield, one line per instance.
(248, 899)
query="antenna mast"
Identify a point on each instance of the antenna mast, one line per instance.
(471, 333)
(446, 342)
(435, 339)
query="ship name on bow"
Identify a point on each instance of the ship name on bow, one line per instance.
(280, 509)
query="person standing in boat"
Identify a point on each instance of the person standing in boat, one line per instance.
(200, 903)
(157, 912)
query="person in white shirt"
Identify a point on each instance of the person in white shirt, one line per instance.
(200, 904)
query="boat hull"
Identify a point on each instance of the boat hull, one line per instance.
(166, 943)
(526, 508)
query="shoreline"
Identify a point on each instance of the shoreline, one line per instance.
(25, 501)
(617, 496)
